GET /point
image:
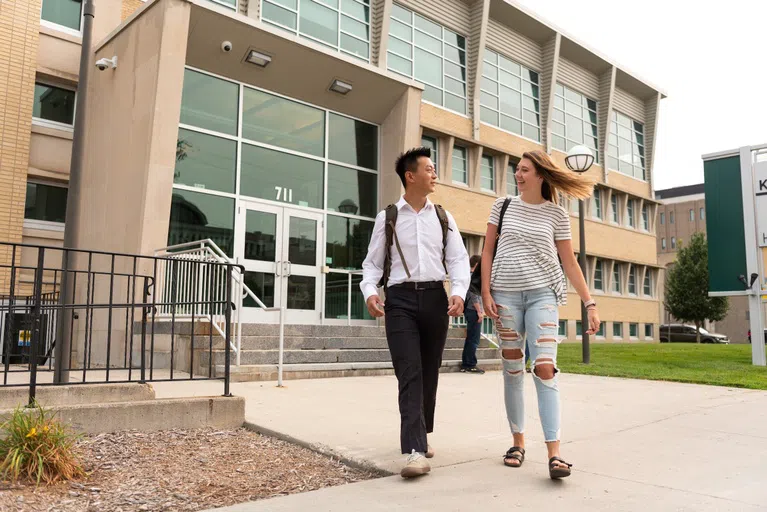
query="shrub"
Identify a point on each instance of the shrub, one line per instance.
(36, 446)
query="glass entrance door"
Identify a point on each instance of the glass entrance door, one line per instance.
(280, 249)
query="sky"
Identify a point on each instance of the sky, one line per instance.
(710, 62)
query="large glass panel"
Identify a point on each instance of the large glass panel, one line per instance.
(283, 123)
(431, 143)
(428, 67)
(276, 14)
(204, 161)
(598, 276)
(260, 236)
(401, 13)
(319, 22)
(268, 174)
(398, 64)
(262, 285)
(511, 179)
(487, 173)
(401, 47)
(455, 103)
(54, 104)
(347, 242)
(66, 13)
(617, 330)
(337, 296)
(45, 202)
(460, 173)
(617, 278)
(354, 27)
(351, 191)
(357, 9)
(209, 102)
(428, 42)
(354, 46)
(302, 241)
(301, 292)
(197, 216)
(353, 142)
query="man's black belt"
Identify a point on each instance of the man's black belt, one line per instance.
(426, 285)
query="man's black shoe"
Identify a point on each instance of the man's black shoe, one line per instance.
(473, 369)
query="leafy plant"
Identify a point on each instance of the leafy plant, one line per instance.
(687, 287)
(36, 446)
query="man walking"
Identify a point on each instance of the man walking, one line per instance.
(474, 315)
(426, 247)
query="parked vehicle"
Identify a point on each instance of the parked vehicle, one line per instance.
(683, 333)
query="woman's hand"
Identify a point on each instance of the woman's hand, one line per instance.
(594, 322)
(491, 309)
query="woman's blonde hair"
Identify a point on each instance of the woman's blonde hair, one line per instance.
(557, 180)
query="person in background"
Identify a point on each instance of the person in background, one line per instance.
(474, 315)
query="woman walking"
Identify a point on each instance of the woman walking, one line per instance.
(523, 286)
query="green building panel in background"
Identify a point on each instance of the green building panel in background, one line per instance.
(724, 224)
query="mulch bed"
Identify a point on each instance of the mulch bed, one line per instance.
(182, 470)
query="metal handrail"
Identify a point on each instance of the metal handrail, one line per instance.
(214, 251)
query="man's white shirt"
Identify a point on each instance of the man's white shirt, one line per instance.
(420, 238)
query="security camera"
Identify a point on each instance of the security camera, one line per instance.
(226, 46)
(103, 64)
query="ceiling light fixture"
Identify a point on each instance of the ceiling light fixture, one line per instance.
(340, 87)
(259, 59)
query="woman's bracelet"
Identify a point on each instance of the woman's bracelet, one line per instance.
(590, 304)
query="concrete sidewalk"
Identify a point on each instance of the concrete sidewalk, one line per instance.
(636, 445)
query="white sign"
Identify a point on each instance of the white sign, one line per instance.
(760, 202)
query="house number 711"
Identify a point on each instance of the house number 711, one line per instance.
(284, 194)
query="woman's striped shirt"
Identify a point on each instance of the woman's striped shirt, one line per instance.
(527, 255)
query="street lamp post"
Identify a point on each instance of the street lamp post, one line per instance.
(579, 159)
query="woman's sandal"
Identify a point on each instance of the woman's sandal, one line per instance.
(515, 453)
(555, 471)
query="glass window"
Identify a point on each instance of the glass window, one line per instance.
(617, 278)
(630, 212)
(347, 242)
(634, 330)
(662, 218)
(671, 217)
(45, 202)
(430, 53)
(54, 104)
(511, 179)
(614, 205)
(663, 243)
(197, 216)
(617, 330)
(632, 280)
(601, 332)
(345, 28)
(431, 143)
(578, 328)
(692, 215)
(352, 142)
(673, 242)
(337, 297)
(562, 328)
(262, 285)
(352, 191)
(598, 283)
(460, 171)
(510, 96)
(626, 146)
(702, 214)
(283, 123)
(647, 286)
(66, 13)
(645, 218)
(204, 161)
(260, 236)
(597, 203)
(487, 173)
(574, 121)
(648, 331)
(260, 177)
(209, 102)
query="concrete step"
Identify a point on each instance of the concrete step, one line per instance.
(250, 357)
(267, 372)
(306, 343)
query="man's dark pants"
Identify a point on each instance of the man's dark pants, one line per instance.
(416, 328)
(473, 330)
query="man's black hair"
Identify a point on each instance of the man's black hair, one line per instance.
(408, 161)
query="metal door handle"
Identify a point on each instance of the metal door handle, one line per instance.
(277, 265)
(290, 268)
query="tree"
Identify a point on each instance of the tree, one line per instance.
(687, 287)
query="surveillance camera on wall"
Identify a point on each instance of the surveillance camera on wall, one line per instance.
(226, 46)
(103, 64)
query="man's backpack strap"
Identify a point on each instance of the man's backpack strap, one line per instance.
(391, 237)
(442, 216)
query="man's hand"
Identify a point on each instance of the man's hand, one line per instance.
(455, 306)
(480, 313)
(375, 306)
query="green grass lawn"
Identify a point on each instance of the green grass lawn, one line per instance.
(719, 365)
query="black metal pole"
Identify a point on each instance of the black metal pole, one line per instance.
(228, 331)
(71, 226)
(36, 326)
(582, 258)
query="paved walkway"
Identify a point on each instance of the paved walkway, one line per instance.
(636, 445)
